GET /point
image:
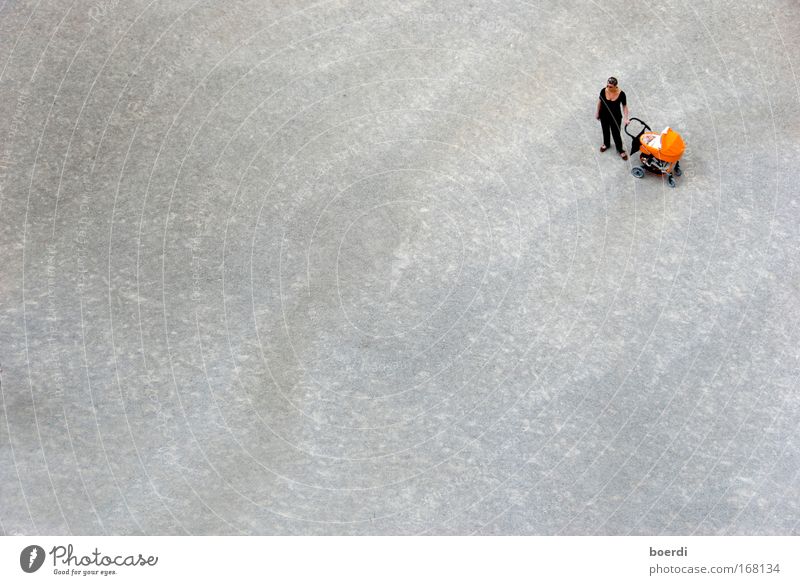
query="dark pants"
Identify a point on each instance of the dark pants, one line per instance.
(612, 124)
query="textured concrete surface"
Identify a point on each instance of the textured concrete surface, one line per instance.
(358, 267)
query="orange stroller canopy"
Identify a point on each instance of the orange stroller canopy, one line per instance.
(669, 148)
(661, 152)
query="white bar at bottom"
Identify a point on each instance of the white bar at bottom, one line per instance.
(378, 560)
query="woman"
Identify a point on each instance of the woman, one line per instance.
(610, 108)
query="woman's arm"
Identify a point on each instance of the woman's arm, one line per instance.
(597, 113)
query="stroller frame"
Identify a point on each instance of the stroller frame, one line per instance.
(649, 162)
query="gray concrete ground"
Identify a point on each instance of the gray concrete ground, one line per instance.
(358, 267)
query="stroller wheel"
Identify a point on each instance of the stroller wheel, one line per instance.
(637, 172)
(671, 180)
(678, 171)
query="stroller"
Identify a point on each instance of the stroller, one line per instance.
(661, 153)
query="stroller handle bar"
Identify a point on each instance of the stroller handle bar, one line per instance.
(642, 122)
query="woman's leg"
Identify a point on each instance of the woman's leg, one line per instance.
(606, 124)
(615, 124)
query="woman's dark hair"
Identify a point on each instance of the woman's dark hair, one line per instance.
(612, 81)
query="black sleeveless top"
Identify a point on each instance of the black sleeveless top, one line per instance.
(612, 109)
